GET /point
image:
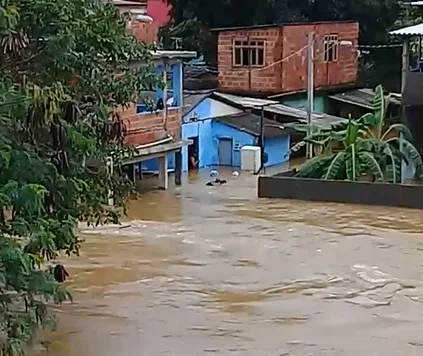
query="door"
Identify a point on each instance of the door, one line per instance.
(225, 152)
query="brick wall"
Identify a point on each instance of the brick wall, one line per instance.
(149, 127)
(326, 74)
(244, 79)
(290, 75)
(146, 32)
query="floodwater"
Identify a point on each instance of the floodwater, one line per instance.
(205, 270)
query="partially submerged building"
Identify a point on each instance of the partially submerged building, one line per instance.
(155, 132)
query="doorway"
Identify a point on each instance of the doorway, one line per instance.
(193, 155)
(225, 151)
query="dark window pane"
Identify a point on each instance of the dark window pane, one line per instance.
(237, 43)
(237, 60)
(253, 57)
(260, 59)
(245, 57)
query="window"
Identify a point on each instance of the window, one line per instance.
(331, 48)
(248, 53)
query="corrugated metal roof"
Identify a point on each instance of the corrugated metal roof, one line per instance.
(276, 108)
(416, 30)
(360, 97)
(252, 124)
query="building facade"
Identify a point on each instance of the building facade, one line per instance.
(155, 132)
(271, 60)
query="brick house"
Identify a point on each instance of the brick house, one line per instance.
(250, 58)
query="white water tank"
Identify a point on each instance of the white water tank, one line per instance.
(250, 158)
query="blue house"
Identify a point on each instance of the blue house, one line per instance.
(171, 95)
(231, 133)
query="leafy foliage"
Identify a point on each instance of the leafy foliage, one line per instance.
(353, 148)
(66, 66)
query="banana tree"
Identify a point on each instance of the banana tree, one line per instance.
(354, 160)
(389, 146)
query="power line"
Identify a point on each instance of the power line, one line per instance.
(281, 60)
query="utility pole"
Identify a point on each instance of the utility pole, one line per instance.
(405, 67)
(310, 89)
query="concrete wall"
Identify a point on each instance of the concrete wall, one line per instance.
(289, 75)
(384, 194)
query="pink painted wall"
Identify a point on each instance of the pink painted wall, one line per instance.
(159, 11)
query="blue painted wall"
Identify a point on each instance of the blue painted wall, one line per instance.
(299, 101)
(153, 164)
(239, 140)
(277, 149)
(177, 73)
(201, 129)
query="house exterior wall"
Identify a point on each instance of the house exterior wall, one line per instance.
(288, 76)
(209, 108)
(326, 74)
(299, 101)
(239, 140)
(149, 127)
(244, 78)
(203, 113)
(277, 149)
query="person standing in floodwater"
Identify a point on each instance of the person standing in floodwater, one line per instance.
(193, 160)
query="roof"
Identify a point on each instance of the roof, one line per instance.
(173, 54)
(251, 124)
(360, 97)
(275, 107)
(416, 30)
(253, 27)
(417, 3)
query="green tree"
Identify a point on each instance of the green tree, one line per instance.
(352, 148)
(65, 68)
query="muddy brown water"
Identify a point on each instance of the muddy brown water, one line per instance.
(202, 270)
